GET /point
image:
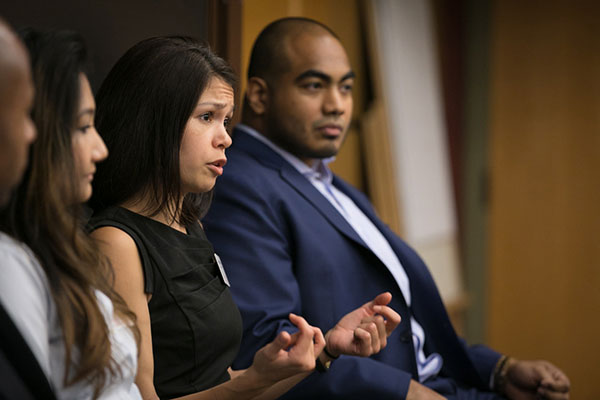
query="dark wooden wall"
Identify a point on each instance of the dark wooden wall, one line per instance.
(111, 27)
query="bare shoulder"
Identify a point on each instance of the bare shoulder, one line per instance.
(126, 263)
(119, 247)
(113, 237)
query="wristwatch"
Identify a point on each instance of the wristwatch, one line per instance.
(322, 367)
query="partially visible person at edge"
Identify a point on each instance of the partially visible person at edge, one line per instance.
(17, 130)
(22, 376)
(321, 245)
(54, 280)
(163, 111)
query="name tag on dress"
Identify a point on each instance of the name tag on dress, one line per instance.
(223, 274)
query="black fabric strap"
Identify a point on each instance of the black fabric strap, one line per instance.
(21, 376)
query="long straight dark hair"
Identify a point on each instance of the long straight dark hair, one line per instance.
(143, 107)
(44, 213)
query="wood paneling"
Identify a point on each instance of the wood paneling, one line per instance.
(111, 27)
(544, 280)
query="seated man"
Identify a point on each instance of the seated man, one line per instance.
(296, 238)
(21, 376)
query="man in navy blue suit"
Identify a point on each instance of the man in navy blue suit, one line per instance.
(295, 238)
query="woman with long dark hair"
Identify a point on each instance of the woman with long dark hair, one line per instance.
(163, 112)
(82, 332)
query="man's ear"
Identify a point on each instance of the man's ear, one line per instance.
(257, 95)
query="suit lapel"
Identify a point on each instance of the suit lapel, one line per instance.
(434, 319)
(313, 196)
(296, 180)
(427, 305)
(412, 273)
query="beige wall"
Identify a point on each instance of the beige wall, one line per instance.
(544, 278)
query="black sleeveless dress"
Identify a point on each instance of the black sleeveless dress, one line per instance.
(196, 326)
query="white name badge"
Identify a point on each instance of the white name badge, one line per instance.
(223, 274)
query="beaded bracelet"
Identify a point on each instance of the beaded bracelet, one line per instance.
(500, 374)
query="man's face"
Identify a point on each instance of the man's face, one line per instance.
(310, 105)
(17, 130)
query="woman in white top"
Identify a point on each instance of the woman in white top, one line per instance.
(53, 282)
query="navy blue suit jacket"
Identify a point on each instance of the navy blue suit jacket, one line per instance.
(287, 249)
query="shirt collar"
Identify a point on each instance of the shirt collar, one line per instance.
(319, 169)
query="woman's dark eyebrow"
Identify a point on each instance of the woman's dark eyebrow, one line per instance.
(214, 104)
(90, 111)
(218, 106)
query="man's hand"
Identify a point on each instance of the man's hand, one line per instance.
(364, 331)
(533, 380)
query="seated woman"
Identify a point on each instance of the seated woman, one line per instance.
(163, 111)
(54, 280)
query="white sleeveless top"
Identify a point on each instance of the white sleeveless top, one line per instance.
(25, 294)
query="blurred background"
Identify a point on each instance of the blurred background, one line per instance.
(476, 134)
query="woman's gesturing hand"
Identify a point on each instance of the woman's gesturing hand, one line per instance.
(289, 355)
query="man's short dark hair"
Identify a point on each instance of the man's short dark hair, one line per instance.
(268, 57)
